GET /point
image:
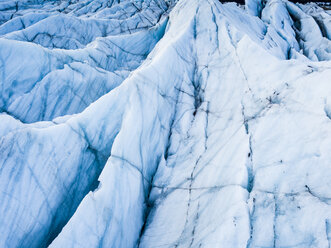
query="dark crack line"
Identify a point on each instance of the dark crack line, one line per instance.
(275, 221)
(150, 205)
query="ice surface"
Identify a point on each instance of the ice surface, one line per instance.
(41, 84)
(163, 124)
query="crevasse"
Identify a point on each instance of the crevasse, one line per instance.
(189, 123)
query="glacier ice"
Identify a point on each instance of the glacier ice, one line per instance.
(155, 123)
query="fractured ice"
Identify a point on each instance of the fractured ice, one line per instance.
(160, 123)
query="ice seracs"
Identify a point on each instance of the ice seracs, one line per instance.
(40, 84)
(209, 127)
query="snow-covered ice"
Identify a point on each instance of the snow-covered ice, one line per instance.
(160, 123)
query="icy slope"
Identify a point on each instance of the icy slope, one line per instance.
(41, 84)
(220, 138)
